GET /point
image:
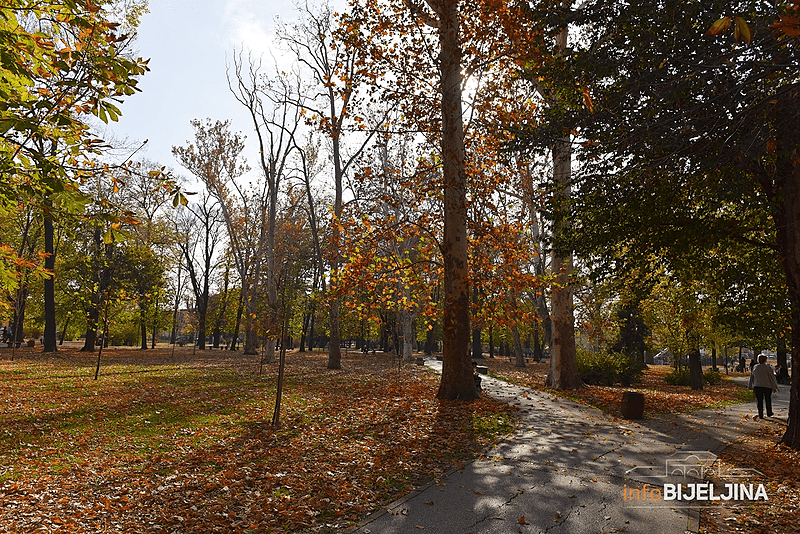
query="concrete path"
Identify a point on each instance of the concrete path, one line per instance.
(570, 469)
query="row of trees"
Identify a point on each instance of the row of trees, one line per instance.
(418, 170)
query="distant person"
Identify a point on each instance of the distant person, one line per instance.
(752, 364)
(763, 384)
(476, 376)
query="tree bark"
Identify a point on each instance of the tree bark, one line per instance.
(20, 302)
(239, 310)
(787, 221)
(174, 335)
(563, 363)
(143, 325)
(223, 308)
(103, 280)
(457, 381)
(519, 353)
(66, 325)
(49, 286)
(406, 320)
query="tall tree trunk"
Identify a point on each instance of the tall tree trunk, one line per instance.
(477, 347)
(49, 285)
(311, 332)
(563, 363)
(155, 321)
(103, 278)
(695, 365)
(429, 342)
(64, 328)
(239, 311)
(457, 381)
(174, 335)
(143, 323)
(335, 343)
(250, 334)
(787, 222)
(304, 331)
(519, 353)
(406, 341)
(92, 318)
(335, 354)
(713, 356)
(17, 331)
(201, 324)
(223, 308)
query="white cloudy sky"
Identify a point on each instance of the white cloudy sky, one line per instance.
(187, 42)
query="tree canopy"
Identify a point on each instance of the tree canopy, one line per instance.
(688, 140)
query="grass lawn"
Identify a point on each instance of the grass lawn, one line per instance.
(183, 443)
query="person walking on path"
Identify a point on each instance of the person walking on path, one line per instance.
(763, 384)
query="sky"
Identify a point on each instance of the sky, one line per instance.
(188, 43)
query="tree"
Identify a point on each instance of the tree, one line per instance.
(275, 108)
(328, 47)
(200, 227)
(563, 373)
(393, 266)
(140, 270)
(456, 383)
(694, 136)
(214, 158)
(61, 61)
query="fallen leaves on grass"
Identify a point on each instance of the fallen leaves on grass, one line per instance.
(162, 444)
(781, 466)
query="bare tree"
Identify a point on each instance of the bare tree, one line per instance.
(334, 60)
(216, 161)
(199, 227)
(276, 120)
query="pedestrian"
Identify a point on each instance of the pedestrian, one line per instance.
(763, 384)
(476, 377)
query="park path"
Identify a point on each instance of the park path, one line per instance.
(566, 470)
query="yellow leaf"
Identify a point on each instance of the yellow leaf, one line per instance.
(719, 26)
(742, 31)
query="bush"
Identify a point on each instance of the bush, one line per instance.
(712, 376)
(679, 377)
(684, 377)
(607, 368)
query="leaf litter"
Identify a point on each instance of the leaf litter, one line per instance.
(182, 443)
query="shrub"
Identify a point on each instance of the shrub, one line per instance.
(684, 377)
(712, 376)
(679, 377)
(607, 368)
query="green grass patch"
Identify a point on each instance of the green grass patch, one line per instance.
(491, 427)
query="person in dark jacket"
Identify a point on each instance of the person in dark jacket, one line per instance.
(763, 384)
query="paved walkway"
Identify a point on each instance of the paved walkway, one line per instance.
(570, 469)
